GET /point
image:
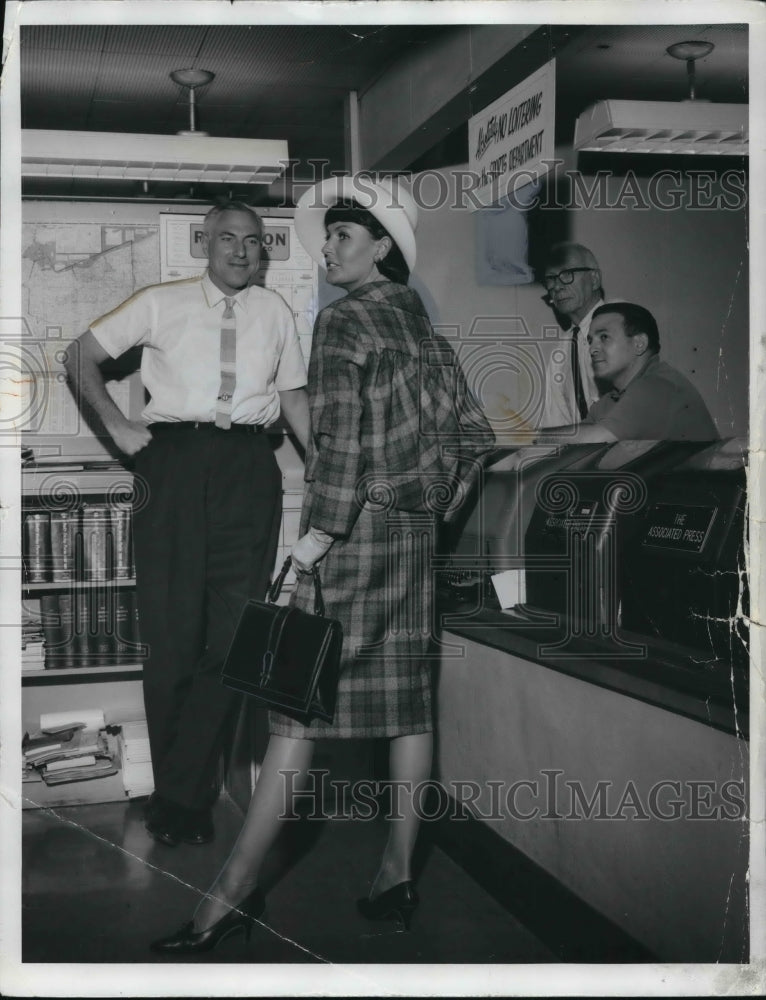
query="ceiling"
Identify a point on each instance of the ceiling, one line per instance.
(286, 82)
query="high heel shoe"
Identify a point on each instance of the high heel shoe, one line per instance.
(397, 903)
(187, 941)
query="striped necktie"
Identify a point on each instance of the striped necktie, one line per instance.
(228, 366)
(582, 404)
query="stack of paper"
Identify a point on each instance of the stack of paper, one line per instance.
(32, 646)
(137, 774)
(73, 754)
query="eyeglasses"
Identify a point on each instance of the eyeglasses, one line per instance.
(565, 277)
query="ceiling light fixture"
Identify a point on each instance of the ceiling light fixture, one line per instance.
(128, 156)
(692, 126)
(690, 51)
(191, 78)
(190, 156)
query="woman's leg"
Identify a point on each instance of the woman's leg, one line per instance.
(239, 876)
(410, 759)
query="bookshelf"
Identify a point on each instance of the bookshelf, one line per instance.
(78, 584)
(91, 681)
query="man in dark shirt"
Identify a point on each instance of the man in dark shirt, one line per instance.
(649, 400)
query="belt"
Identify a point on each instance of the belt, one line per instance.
(203, 425)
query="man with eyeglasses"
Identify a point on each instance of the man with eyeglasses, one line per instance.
(572, 280)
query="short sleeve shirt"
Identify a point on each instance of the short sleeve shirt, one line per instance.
(178, 324)
(659, 404)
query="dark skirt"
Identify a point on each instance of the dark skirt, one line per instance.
(379, 584)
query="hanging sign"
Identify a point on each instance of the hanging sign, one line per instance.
(511, 141)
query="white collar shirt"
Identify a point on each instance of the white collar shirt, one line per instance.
(178, 324)
(560, 407)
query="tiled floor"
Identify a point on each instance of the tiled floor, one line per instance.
(97, 888)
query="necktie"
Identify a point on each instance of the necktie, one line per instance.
(582, 404)
(228, 366)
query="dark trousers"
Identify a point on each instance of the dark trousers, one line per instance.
(207, 513)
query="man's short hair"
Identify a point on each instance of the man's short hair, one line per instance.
(635, 319)
(231, 205)
(559, 255)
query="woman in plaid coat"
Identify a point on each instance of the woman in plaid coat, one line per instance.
(397, 438)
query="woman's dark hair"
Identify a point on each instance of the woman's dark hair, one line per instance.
(393, 265)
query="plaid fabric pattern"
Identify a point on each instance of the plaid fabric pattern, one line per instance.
(391, 417)
(389, 406)
(369, 582)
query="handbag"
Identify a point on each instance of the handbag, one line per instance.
(287, 658)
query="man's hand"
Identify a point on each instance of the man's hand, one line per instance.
(84, 358)
(130, 436)
(310, 549)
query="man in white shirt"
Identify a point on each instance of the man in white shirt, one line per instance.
(221, 360)
(572, 280)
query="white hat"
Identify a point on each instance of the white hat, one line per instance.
(391, 205)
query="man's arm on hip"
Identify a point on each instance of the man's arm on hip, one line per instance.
(84, 358)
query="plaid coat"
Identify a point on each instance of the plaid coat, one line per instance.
(397, 438)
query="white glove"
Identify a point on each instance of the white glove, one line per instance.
(310, 549)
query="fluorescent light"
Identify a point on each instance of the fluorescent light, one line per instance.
(118, 155)
(687, 127)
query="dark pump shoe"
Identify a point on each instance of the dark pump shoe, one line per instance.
(397, 903)
(187, 941)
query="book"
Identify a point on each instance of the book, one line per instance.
(82, 741)
(44, 466)
(52, 733)
(101, 643)
(39, 746)
(63, 528)
(61, 764)
(58, 629)
(95, 530)
(126, 648)
(135, 631)
(101, 769)
(121, 520)
(82, 644)
(57, 625)
(94, 640)
(36, 547)
(33, 656)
